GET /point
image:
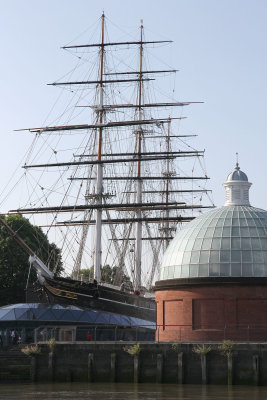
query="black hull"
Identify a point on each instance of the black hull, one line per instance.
(99, 298)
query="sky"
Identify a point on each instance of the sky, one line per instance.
(219, 49)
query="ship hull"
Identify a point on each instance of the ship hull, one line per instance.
(99, 298)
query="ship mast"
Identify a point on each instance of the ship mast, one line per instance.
(167, 224)
(99, 178)
(138, 243)
(97, 165)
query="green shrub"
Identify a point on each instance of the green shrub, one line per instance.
(31, 350)
(133, 350)
(201, 349)
(51, 344)
(176, 347)
(226, 348)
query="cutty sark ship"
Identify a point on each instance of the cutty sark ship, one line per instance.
(117, 188)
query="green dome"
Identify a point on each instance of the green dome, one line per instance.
(229, 241)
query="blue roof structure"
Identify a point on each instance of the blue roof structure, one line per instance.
(55, 313)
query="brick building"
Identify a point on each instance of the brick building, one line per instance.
(213, 277)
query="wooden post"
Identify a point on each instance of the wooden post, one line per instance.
(159, 368)
(90, 367)
(113, 359)
(256, 369)
(136, 368)
(51, 366)
(34, 368)
(180, 368)
(230, 370)
(204, 368)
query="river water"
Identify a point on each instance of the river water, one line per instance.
(97, 391)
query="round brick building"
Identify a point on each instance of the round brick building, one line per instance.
(213, 277)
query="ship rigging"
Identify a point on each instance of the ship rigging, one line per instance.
(125, 189)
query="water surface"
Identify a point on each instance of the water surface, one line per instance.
(119, 391)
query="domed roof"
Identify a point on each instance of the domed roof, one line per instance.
(229, 241)
(56, 313)
(237, 175)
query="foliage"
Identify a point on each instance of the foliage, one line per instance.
(51, 344)
(31, 350)
(133, 350)
(108, 275)
(87, 274)
(176, 346)
(14, 264)
(201, 349)
(226, 348)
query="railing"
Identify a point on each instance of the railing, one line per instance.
(96, 333)
(202, 333)
(141, 333)
(157, 333)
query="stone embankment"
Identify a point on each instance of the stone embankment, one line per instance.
(14, 366)
(156, 362)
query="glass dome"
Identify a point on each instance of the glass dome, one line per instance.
(228, 242)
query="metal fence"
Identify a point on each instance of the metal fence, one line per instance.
(141, 333)
(191, 333)
(158, 333)
(96, 333)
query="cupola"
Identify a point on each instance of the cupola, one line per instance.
(237, 188)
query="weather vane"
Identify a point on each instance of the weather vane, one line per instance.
(237, 165)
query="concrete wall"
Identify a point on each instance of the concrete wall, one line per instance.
(157, 362)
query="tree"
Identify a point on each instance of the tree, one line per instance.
(14, 261)
(108, 275)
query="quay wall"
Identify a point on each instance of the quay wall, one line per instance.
(156, 362)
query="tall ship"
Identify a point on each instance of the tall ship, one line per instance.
(112, 178)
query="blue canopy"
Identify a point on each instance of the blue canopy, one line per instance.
(47, 313)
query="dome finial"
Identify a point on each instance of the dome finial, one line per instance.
(237, 168)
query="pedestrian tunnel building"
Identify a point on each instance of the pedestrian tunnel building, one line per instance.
(213, 277)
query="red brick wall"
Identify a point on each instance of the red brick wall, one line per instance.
(203, 313)
(212, 313)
